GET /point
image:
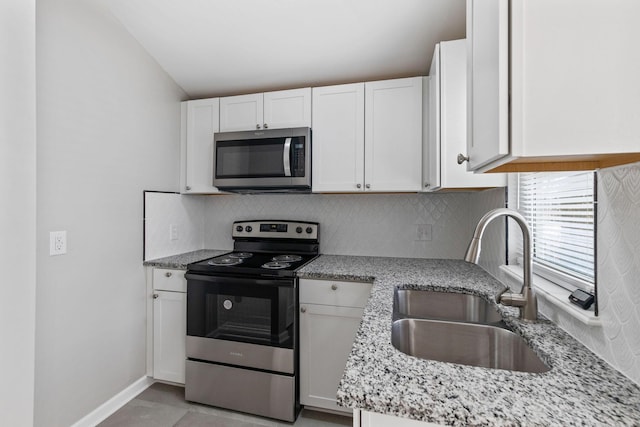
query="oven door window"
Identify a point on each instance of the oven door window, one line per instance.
(245, 310)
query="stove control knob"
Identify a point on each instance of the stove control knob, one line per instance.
(298, 230)
(309, 230)
(239, 228)
(249, 229)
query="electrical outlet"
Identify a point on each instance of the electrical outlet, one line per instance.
(57, 242)
(173, 232)
(423, 232)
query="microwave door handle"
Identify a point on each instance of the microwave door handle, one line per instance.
(286, 157)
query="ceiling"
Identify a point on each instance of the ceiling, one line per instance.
(225, 47)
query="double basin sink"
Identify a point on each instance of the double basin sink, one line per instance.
(458, 328)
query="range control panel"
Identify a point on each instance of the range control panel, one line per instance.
(276, 229)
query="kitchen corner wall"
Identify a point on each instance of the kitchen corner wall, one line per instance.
(618, 263)
(171, 212)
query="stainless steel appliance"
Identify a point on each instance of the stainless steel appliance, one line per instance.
(242, 320)
(271, 160)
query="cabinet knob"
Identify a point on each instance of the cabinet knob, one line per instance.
(358, 185)
(334, 287)
(303, 309)
(462, 158)
(257, 126)
(265, 126)
(155, 296)
(168, 274)
(426, 185)
(188, 188)
(367, 186)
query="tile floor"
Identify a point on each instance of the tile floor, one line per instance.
(163, 405)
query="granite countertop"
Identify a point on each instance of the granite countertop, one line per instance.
(180, 261)
(579, 389)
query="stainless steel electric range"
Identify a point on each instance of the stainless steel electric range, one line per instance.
(242, 320)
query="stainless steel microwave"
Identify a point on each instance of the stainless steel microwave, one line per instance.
(258, 161)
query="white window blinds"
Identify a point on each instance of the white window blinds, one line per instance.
(560, 209)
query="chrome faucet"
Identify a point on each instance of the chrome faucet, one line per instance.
(526, 300)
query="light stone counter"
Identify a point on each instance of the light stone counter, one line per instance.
(580, 389)
(181, 261)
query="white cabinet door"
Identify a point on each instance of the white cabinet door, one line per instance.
(393, 135)
(532, 105)
(287, 109)
(447, 117)
(326, 337)
(242, 112)
(338, 138)
(169, 333)
(202, 121)
(488, 81)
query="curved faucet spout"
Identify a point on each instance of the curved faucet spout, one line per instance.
(526, 300)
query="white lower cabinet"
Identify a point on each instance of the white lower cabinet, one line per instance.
(169, 324)
(330, 314)
(372, 419)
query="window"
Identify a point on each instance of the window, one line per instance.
(560, 210)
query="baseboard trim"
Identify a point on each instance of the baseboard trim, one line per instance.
(103, 411)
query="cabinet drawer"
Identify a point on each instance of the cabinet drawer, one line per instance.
(332, 292)
(165, 279)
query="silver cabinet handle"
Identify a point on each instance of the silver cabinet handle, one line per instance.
(265, 126)
(368, 186)
(257, 126)
(155, 296)
(426, 185)
(334, 287)
(303, 309)
(462, 158)
(168, 274)
(286, 157)
(188, 188)
(358, 185)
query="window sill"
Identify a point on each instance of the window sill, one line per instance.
(552, 294)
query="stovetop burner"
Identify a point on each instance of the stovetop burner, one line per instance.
(286, 258)
(225, 260)
(276, 265)
(240, 255)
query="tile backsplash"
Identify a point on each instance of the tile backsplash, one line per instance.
(363, 224)
(400, 225)
(618, 245)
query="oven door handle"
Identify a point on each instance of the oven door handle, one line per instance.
(286, 157)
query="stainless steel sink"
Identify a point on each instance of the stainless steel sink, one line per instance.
(465, 343)
(444, 306)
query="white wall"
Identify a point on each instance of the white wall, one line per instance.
(18, 210)
(108, 128)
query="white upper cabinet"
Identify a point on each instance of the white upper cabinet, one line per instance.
(553, 85)
(368, 137)
(447, 129)
(287, 109)
(338, 138)
(200, 120)
(393, 135)
(269, 110)
(242, 112)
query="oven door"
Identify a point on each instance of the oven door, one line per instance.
(249, 310)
